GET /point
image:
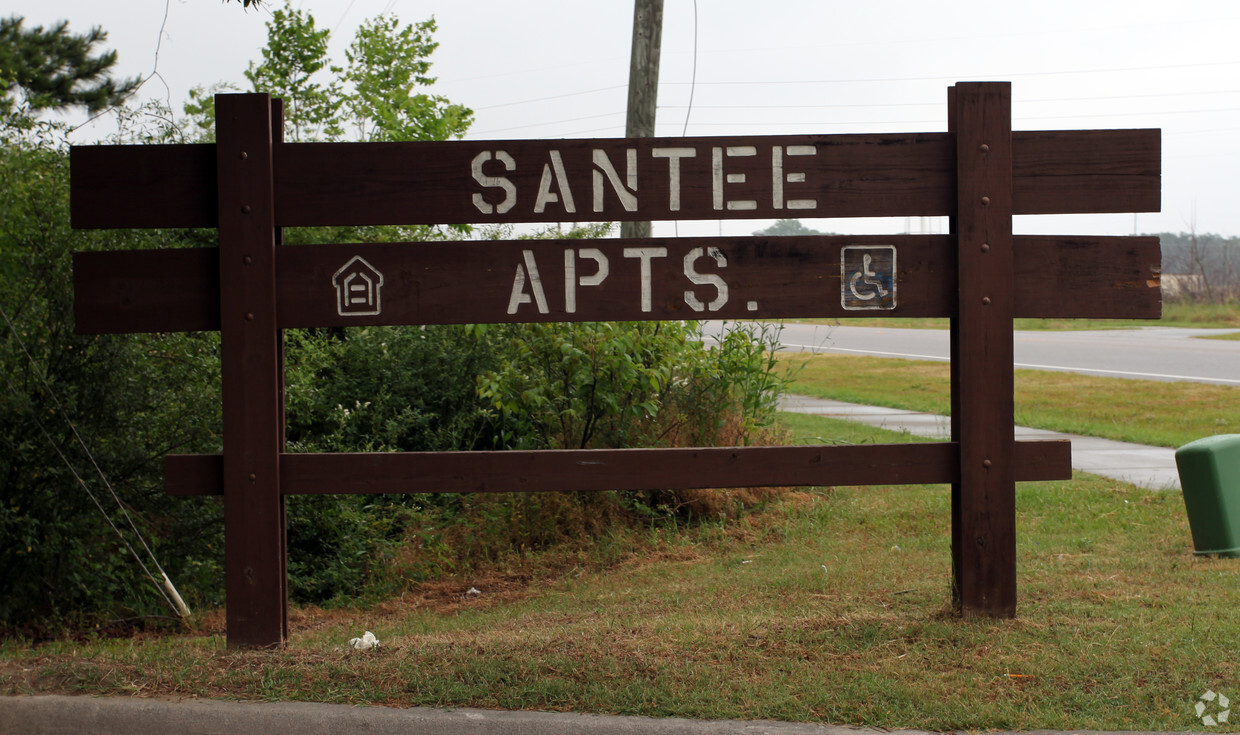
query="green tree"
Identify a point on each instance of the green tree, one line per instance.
(378, 95)
(55, 69)
(387, 64)
(295, 53)
(788, 227)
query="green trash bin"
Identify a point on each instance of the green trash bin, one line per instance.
(1210, 476)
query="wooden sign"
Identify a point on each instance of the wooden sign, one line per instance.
(596, 280)
(249, 184)
(900, 175)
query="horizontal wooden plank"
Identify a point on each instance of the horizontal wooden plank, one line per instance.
(1088, 277)
(762, 177)
(188, 475)
(673, 178)
(121, 291)
(1086, 171)
(142, 186)
(649, 279)
(531, 281)
(618, 469)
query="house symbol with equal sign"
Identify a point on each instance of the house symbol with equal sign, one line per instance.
(357, 288)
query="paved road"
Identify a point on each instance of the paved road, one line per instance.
(1150, 353)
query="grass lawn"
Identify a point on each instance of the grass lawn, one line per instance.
(1143, 411)
(833, 606)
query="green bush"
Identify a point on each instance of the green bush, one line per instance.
(132, 399)
(625, 384)
(521, 386)
(136, 398)
(379, 389)
(599, 385)
(373, 389)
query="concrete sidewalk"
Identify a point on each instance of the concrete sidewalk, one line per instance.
(127, 715)
(1148, 467)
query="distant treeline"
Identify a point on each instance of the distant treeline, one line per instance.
(1200, 267)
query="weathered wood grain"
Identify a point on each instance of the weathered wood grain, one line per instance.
(472, 282)
(254, 534)
(617, 469)
(891, 175)
(143, 186)
(983, 500)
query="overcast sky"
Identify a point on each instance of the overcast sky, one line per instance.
(559, 68)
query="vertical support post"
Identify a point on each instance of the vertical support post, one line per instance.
(984, 501)
(277, 136)
(643, 84)
(254, 531)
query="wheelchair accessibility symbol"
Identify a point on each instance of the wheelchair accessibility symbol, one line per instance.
(868, 277)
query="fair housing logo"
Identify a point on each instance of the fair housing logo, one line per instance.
(1212, 708)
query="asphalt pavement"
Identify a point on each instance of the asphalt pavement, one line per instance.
(1145, 353)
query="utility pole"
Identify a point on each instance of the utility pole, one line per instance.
(643, 84)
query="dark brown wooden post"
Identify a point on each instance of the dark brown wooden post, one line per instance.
(277, 136)
(254, 533)
(984, 501)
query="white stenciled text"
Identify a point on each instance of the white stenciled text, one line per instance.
(644, 277)
(736, 177)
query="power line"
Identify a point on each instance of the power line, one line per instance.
(816, 123)
(693, 78)
(963, 76)
(554, 97)
(1018, 101)
(1208, 131)
(1131, 114)
(694, 82)
(809, 123)
(343, 15)
(166, 588)
(618, 130)
(692, 88)
(544, 124)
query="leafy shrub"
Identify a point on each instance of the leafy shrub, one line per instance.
(136, 398)
(521, 386)
(373, 389)
(132, 398)
(598, 385)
